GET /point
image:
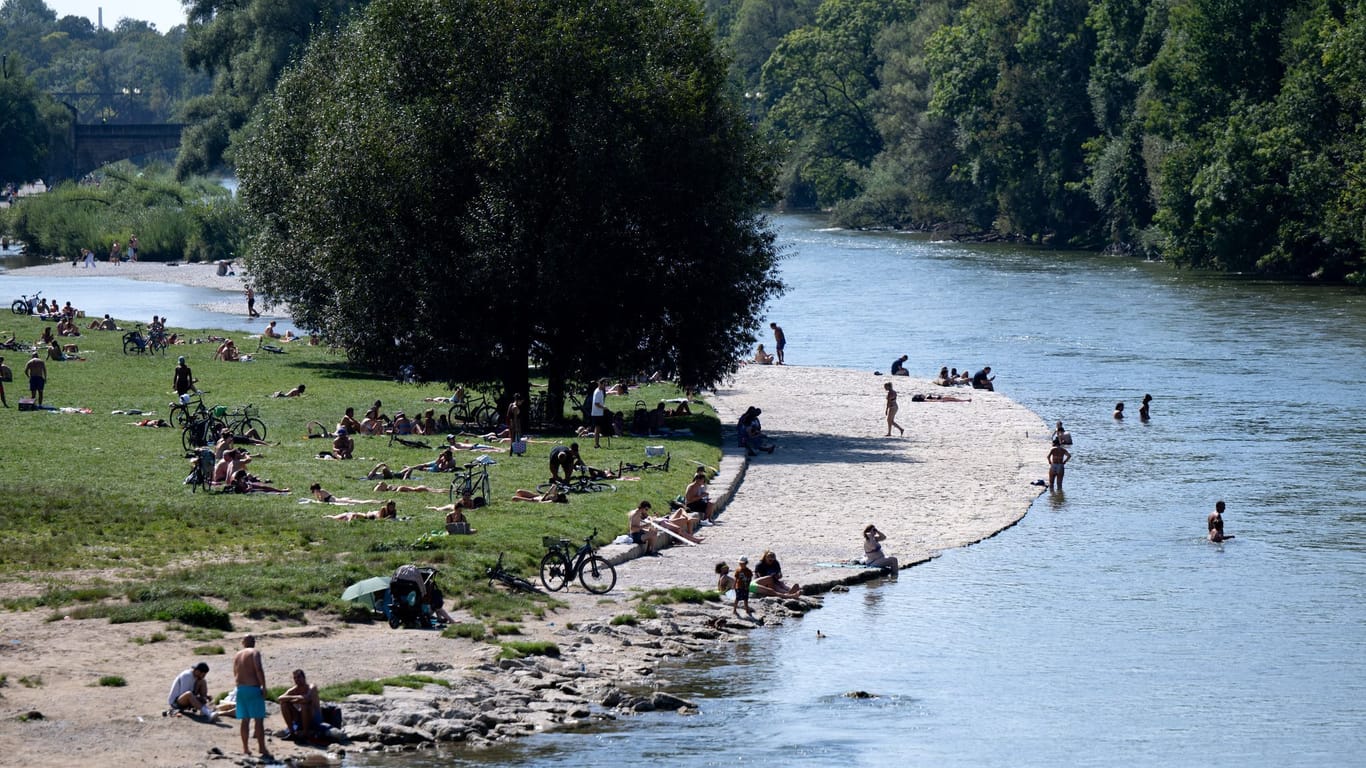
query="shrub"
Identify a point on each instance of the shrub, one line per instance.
(521, 649)
(472, 630)
(624, 618)
(113, 681)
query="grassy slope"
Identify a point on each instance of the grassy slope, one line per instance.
(96, 508)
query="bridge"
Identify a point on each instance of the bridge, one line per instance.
(97, 144)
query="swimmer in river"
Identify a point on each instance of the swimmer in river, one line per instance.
(1216, 524)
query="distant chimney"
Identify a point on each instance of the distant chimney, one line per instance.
(99, 18)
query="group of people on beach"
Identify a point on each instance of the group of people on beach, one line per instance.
(300, 704)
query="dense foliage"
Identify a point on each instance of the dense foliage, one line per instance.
(1212, 133)
(195, 220)
(466, 185)
(244, 46)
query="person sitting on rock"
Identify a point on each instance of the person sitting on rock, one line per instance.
(301, 708)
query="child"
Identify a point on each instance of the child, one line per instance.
(743, 576)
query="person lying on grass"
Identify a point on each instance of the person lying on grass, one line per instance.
(388, 511)
(327, 497)
(244, 483)
(383, 486)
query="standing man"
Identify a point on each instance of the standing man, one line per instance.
(114, 257)
(190, 693)
(89, 257)
(5, 375)
(250, 675)
(1216, 524)
(1058, 457)
(598, 412)
(251, 303)
(132, 247)
(36, 371)
(779, 341)
(183, 381)
(514, 416)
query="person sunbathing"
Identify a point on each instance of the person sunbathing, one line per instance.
(383, 486)
(299, 390)
(325, 496)
(768, 578)
(107, 324)
(151, 423)
(380, 472)
(244, 483)
(348, 422)
(389, 511)
(551, 496)
(227, 352)
(761, 357)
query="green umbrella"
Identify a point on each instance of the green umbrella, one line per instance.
(365, 591)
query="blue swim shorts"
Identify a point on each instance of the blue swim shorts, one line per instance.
(251, 702)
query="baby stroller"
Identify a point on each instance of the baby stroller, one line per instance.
(409, 598)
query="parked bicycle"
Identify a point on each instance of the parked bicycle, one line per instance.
(474, 481)
(580, 483)
(24, 305)
(135, 343)
(201, 469)
(243, 421)
(188, 407)
(477, 415)
(498, 573)
(561, 564)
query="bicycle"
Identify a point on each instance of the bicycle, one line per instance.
(473, 481)
(497, 572)
(134, 343)
(560, 566)
(201, 430)
(478, 414)
(645, 466)
(242, 421)
(580, 483)
(189, 407)
(24, 304)
(201, 470)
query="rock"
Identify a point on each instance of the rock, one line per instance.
(390, 734)
(431, 666)
(32, 714)
(668, 701)
(612, 698)
(642, 705)
(443, 730)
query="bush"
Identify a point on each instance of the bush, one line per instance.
(113, 681)
(472, 630)
(522, 649)
(624, 618)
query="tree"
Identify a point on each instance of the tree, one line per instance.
(24, 136)
(244, 45)
(465, 185)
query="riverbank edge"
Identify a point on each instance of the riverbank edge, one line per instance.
(605, 667)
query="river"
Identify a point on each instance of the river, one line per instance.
(1103, 629)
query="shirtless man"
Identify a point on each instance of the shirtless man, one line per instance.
(343, 446)
(301, 708)
(1216, 524)
(640, 532)
(36, 371)
(250, 675)
(779, 341)
(1058, 457)
(696, 500)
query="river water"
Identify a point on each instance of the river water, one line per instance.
(1103, 629)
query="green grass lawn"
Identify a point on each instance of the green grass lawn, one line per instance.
(96, 512)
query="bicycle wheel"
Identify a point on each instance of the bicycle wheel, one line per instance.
(597, 575)
(247, 425)
(180, 416)
(131, 347)
(488, 418)
(189, 437)
(555, 571)
(484, 488)
(19, 307)
(597, 486)
(543, 487)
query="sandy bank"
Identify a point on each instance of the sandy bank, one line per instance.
(194, 275)
(961, 474)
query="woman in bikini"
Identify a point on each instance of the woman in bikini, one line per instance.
(891, 410)
(387, 512)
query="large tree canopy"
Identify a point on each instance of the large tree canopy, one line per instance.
(467, 185)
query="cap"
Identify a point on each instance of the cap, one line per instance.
(744, 560)
(341, 430)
